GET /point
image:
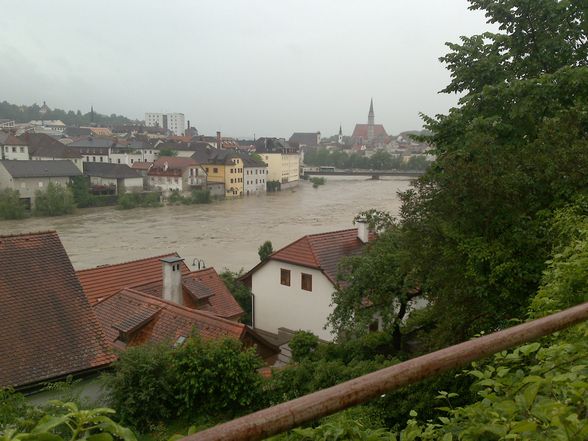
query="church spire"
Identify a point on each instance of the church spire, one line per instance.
(371, 113)
(340, 136)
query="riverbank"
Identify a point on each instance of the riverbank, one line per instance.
(223, 234)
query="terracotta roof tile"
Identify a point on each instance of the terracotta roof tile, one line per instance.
(361, 131)
(48, 327)
(322, 251)
(203, 290)
(168, 320)
(106, 280)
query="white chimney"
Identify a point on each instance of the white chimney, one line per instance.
(172, 279)
(363, 231)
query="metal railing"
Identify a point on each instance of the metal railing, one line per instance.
(290, 414)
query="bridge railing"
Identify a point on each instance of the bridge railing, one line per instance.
(290, 414)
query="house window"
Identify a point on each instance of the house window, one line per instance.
(306, 282)
(13, 149)
(285, 277)
(118, 160)
(374, 326)
(22, 149)
(215, 170)
(101, 159)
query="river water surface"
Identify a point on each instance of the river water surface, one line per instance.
(224, 234)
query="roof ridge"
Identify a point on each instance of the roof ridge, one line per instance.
(169, 303)
(34, 233)
(331, 232)
(127, 262)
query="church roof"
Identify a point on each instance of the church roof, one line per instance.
(361, 131)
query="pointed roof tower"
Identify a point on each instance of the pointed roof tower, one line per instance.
(371, 113)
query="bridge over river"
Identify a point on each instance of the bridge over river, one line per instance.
(375, 174)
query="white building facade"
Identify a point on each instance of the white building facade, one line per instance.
(174, 122)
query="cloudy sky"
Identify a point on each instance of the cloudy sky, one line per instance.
(263, 67)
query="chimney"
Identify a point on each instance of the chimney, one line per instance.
(172, 279)
(219, 144)
(363, 231)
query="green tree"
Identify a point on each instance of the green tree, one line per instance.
(80, 188)
(240, 291)
(507, 156)
(265, 249)
(54, 201)
(11, 206)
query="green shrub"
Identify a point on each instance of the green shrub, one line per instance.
(201, 196)
(303, 344)
(217, 376)
(133, 200)
(240, 292)
(11, 206)
(80, 188)
(156, 384)
(273, 186)
(13, 406)
(316, 181)
(55, 201)
(141, 386)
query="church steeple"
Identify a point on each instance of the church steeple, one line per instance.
(371, 113)
(340, 137)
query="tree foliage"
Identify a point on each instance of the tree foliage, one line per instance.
(154, 384)
(514, 151)
(240, 292)
(380, 160)
(265, 250)
(10, 205)
(55, 201)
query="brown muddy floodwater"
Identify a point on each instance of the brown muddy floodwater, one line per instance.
(224, 234)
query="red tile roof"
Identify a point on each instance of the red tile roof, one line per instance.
(142, 165)
(48, 327)
(157, 320)
(106, 280)
(203, 290)
(361, 131)
(322, 251)
(174, 162)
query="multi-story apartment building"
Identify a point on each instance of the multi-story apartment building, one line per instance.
(174, 122)
(283, 161)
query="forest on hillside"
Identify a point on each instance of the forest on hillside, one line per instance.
(24, 114)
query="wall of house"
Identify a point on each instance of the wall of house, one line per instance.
(27, 187)
(131, 184)
(98, 180)
(15, 152)
(290, 168)
(284, 168)
(254, 180)
(166, 183)
(234, 178)
(291, 307)
(274, 166)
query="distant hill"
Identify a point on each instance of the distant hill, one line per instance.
(23, 114)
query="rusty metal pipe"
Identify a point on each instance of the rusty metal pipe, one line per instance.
(290, 414)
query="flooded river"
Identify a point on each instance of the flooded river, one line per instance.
(224, 234)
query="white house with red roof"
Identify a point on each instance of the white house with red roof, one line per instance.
(292, 289)
(170, 173)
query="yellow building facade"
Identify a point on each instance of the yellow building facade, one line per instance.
(229, 171)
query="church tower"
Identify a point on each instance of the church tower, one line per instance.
(340, 137)
(370, 127)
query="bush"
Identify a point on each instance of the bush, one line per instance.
(155, 384)
(10, 205)
(217, 376)
(141, 386)
(240, 292)
(80, 188)
(13, 406)
(55, 201)
(201, 196)
(273, 186)
(303, 344)
(316, 181)
(133, 200)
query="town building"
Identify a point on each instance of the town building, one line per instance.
(171, 173)
(131, 318)
(43, 147)
(292, 289)
(93, 149)
(7, 123)
(114, 178)
(12, 147)
(174, 122)
(49, 330)
(166, 277)
(223, 166)
(254, 175)
(28, 177)
(283, 161)
(303, 139)
(370, 134)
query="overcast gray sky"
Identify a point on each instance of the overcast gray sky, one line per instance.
(268, 67)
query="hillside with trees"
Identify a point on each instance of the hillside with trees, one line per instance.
(24, 114)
